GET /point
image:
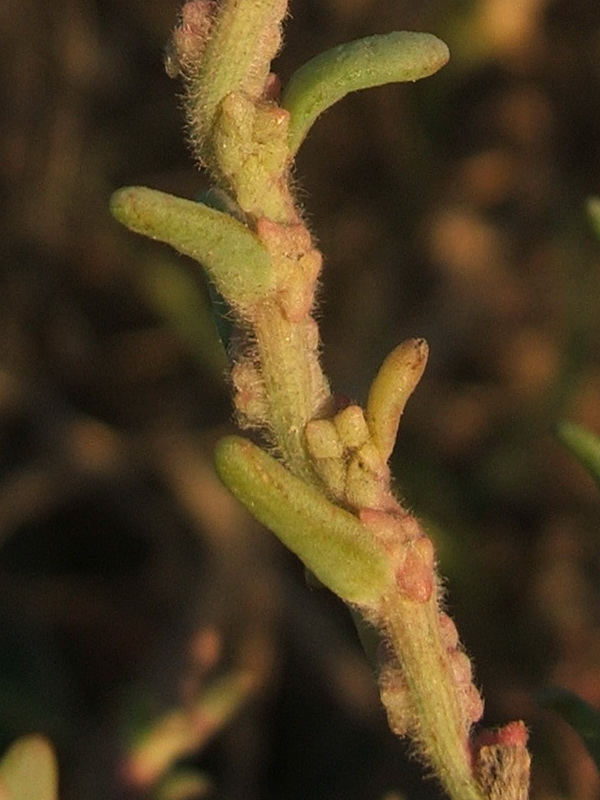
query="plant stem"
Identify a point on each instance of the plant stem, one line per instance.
(331, 500)
(295, 384)
(244, 39)
(413, 631)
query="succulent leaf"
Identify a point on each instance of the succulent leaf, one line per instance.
(330, 541)
(372, 61)
(234, 258)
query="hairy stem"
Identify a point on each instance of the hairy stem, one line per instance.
(294, 382)
(328, 492)
(244, 39)
(413, 633)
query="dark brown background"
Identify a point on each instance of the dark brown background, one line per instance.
(451, 209)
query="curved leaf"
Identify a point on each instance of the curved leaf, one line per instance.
(234, 258)
(582, 717)
(373, 61)
(389, 392)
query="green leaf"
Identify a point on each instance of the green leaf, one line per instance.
(179, 298)
(583, 444)
(183, 783)
(331, 542)
(593, 209)
(582, 717)
(187, 729)
(28, 770)
(232, 255)
(373, 61)
(389, 392)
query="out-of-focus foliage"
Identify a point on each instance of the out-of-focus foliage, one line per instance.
(584, 445)
(452, 209)
(579, 714)
(28, 771)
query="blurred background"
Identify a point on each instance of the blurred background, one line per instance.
(131, 585)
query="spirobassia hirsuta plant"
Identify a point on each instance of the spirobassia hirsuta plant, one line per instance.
(321, 482)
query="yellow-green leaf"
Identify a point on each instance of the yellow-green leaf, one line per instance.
(331, 542)
(233, 256)
(373, 61)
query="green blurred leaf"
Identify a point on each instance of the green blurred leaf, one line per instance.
(180, 301)
(583, 444)
(329, 540)
(582, 717)
(182, 731)
(28, 770)
(183, 784)
(593, 209)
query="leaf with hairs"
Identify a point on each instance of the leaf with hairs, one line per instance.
(331, 542)
(232, 255)
(373, 61)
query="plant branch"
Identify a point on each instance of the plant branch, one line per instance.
(325, 489)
